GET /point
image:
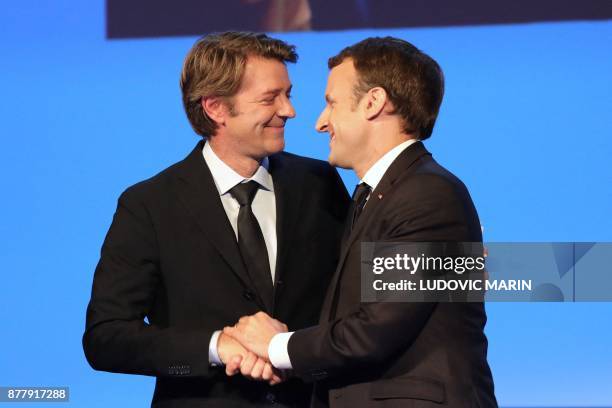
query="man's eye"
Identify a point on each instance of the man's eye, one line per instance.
(267, 101)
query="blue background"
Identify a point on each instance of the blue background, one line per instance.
(525, 123)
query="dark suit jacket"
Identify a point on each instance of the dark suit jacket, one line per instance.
(171, 256)
(400, 354)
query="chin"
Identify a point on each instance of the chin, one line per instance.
(338, 162)
(275, 146)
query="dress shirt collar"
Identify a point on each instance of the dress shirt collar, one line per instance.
(378, 170)
(226, 178)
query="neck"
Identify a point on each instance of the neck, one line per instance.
(362, 168)
(244, 165)
(377, 150)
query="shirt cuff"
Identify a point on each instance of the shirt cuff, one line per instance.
(213, 355)
(278, 353)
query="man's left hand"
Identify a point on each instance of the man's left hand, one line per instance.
(254, 368)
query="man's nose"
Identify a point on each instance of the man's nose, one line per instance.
(286, 109)
(321, 124)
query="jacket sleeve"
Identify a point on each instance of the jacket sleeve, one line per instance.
(127, 279)
(374, 332)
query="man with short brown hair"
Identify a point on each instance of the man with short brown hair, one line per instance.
(237, 227)
(382, 99)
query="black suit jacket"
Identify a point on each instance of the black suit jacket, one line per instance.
(171, 256)
(400, 354)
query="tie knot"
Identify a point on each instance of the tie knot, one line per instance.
(244, 192)
(361, 193)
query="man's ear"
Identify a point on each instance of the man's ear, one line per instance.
(215, 108)
(375, 101)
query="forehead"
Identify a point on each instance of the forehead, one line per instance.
(342, 77)
(263, 74)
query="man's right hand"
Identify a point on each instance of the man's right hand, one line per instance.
(228, 348)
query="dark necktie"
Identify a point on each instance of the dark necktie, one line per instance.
(360, 196)
(251, 242)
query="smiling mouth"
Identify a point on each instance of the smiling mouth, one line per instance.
(277, 130)
(279, 127)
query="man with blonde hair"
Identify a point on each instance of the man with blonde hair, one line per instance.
(236, 227)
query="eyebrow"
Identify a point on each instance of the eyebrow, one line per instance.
(276, 91)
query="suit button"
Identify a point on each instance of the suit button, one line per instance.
(248, 295)
(270, 397)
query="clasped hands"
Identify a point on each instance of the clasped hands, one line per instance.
(243, 348)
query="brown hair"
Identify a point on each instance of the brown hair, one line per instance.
(411, 78)
(215, 65)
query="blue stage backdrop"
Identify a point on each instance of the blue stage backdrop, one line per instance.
(525, 123)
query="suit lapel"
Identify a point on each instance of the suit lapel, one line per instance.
(197, 192)
(288, 194)
(398, 167)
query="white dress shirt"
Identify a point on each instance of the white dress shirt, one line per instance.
(263, 206)
(277, 349)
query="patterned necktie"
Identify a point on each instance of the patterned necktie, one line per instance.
(360, 196)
